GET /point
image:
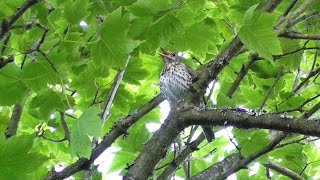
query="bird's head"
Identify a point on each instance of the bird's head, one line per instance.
(169, 57)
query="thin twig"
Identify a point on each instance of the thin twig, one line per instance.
(65, 126)
(293, 3)
(304, 18)
(53, 140)
(244, 70)
(302, 83)
(271, 89)
(301, 106)
(112, 92)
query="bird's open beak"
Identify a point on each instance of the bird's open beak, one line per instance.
(164, 53)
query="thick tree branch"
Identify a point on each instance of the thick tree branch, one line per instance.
(245, 120)
(119, 128)
(7, 23)
(156, 148)
(283, 170)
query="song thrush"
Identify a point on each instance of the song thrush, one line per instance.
(175, 80)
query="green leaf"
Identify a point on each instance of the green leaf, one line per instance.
(39, 74)
(16, 158)
(160, 33)
(149, 7)
(135, 72)
(115, 44)
(196, 39)
(121, 160)
(291, 61)
(76, 10)
(88, 124)
(48, 101)
(257, 34)
(138, 135)
(12, 88)
(247, 138)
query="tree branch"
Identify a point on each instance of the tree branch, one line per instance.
(237, 161)
(283, 170)
(245, 120)
(193, 146)
(119, 128)
(294, 35)
(7, 23)
(271, 89)
(311, 74)
(14, 121)
(244, 70)
(112, 92)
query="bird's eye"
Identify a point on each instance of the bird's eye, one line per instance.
(173, 54)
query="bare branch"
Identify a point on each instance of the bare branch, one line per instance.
(293, 3)
(244, 70)
(14, 121)
(193, 146)
(294, 35)
(311, 74)
(304, 18)
(301, 106)
(65, 126)
(112, 92)
(312, 110)
(238, 163)
(283, 170)
(271, 89)
(245, 120)
(7, 23)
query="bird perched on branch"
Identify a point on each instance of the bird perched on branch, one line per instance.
(175, 80)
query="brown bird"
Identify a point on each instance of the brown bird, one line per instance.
(175, 80)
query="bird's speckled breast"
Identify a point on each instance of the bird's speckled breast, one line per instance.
(175, 79)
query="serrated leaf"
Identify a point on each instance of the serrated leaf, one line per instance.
(115, 44)
(48, 101)
(16, 158)
(138, 135)
(247, 138)
(121, 160)
(149, 7)
(88, 124)
(160, 33)
(38, 75)
(196, 39)
(291, 61)
(75, 10)
(257, 34)
(12, 89)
